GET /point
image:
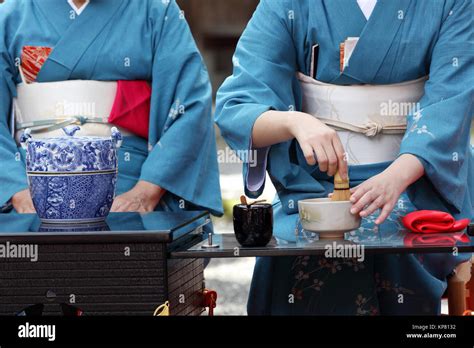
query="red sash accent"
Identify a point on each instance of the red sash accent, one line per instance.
(131, 109)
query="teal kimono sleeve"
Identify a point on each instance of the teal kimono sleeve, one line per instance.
(183, 159)
(439, 132)
(264, 67)
(12, 173)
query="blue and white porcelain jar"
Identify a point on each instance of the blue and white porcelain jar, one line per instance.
(72, 179)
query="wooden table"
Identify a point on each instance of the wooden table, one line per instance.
(122, 268)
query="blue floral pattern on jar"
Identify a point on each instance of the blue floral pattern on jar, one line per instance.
(72, 179)
(82, 155)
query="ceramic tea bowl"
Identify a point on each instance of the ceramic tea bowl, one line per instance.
(330, 219)
(72, 179)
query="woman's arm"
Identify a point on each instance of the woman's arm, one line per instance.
(319, 143)
(13, 181)
(23, 203)
(183, 156)
(142, 198)
(384, 190)
(271, 128)
(436, 146)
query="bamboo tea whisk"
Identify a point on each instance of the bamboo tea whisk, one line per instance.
(342, 190)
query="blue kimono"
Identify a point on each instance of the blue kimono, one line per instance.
(400, 42)
(121, 40)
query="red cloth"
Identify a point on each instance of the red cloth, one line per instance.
(430, 221)
(32, 59)
(131, 109)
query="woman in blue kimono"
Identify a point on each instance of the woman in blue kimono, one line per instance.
(111, 40)
(260, 108)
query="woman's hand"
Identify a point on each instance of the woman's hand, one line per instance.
(23, 203)
(383, 191)
(315, 138)
(379, 192)
(143, 198)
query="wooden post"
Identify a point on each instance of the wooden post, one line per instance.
(457, 289)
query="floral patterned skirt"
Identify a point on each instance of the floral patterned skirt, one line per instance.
(382, 284)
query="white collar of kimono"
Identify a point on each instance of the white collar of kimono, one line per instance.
(367, 7)
(78, 10)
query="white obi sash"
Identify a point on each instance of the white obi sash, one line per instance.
(46, 107)
(371, 120)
